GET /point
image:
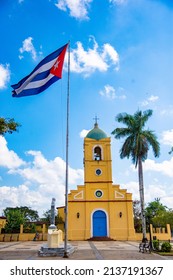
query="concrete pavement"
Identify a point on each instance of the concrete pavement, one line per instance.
(84, 250)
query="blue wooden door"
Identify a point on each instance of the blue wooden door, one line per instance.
(99, 224)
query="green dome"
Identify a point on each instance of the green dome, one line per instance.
(96, 133)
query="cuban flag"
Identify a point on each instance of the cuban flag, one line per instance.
(47, 72)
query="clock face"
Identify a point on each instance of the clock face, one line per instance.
(98, 172)
(99, 193)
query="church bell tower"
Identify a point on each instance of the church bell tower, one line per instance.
(97, 160)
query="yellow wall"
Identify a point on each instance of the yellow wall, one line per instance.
(163, 235)
(21, 237)
(2, 223)
(118, 228)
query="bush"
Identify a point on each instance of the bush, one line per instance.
(166, 247)
(156, 245)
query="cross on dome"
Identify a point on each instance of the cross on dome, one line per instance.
(96, 119)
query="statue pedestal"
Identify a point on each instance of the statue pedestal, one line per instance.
(54, 238)
(55, 246)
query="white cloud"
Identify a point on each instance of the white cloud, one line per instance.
(109, 53)
(165, 167)
(161, 186)
(88, 61)
(4, 75)
(132, 187)
(168, 111)
(78, 8)
(151, 192)
(47, 172)
(154, 191)
(42, 180)
(167, 137)
(118, 2)
(27, 46)
(149, 100)
(8, 158)
(109, 92)
(21, 196)
(83, 133)
(153, 98)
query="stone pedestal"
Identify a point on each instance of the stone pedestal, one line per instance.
(45, 251)
(54, 238)
(55, 246)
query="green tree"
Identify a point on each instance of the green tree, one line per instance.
(17, 216)
(8, 126)
(47, 218)
(162, 218)
(155, 209)
(169, 218)
(30, 214)
(136, 146)
(14, 219)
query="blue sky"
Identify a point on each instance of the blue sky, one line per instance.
(121, 61)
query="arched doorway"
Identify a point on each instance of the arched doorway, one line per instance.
(99, 224)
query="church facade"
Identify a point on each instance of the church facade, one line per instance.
(99, 208)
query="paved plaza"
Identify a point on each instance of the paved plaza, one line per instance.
(84, 250)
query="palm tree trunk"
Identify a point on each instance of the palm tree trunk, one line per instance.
(141, 194)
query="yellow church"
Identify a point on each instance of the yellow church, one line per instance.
(99, 209)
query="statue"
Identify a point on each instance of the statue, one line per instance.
(52, 218)
(52, 215)
(54, 246)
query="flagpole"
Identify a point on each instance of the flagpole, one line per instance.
(67, 146)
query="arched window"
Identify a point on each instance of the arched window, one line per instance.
(97, 153)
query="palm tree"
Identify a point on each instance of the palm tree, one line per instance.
(136, 146)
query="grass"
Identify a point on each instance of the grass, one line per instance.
(165, 253)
